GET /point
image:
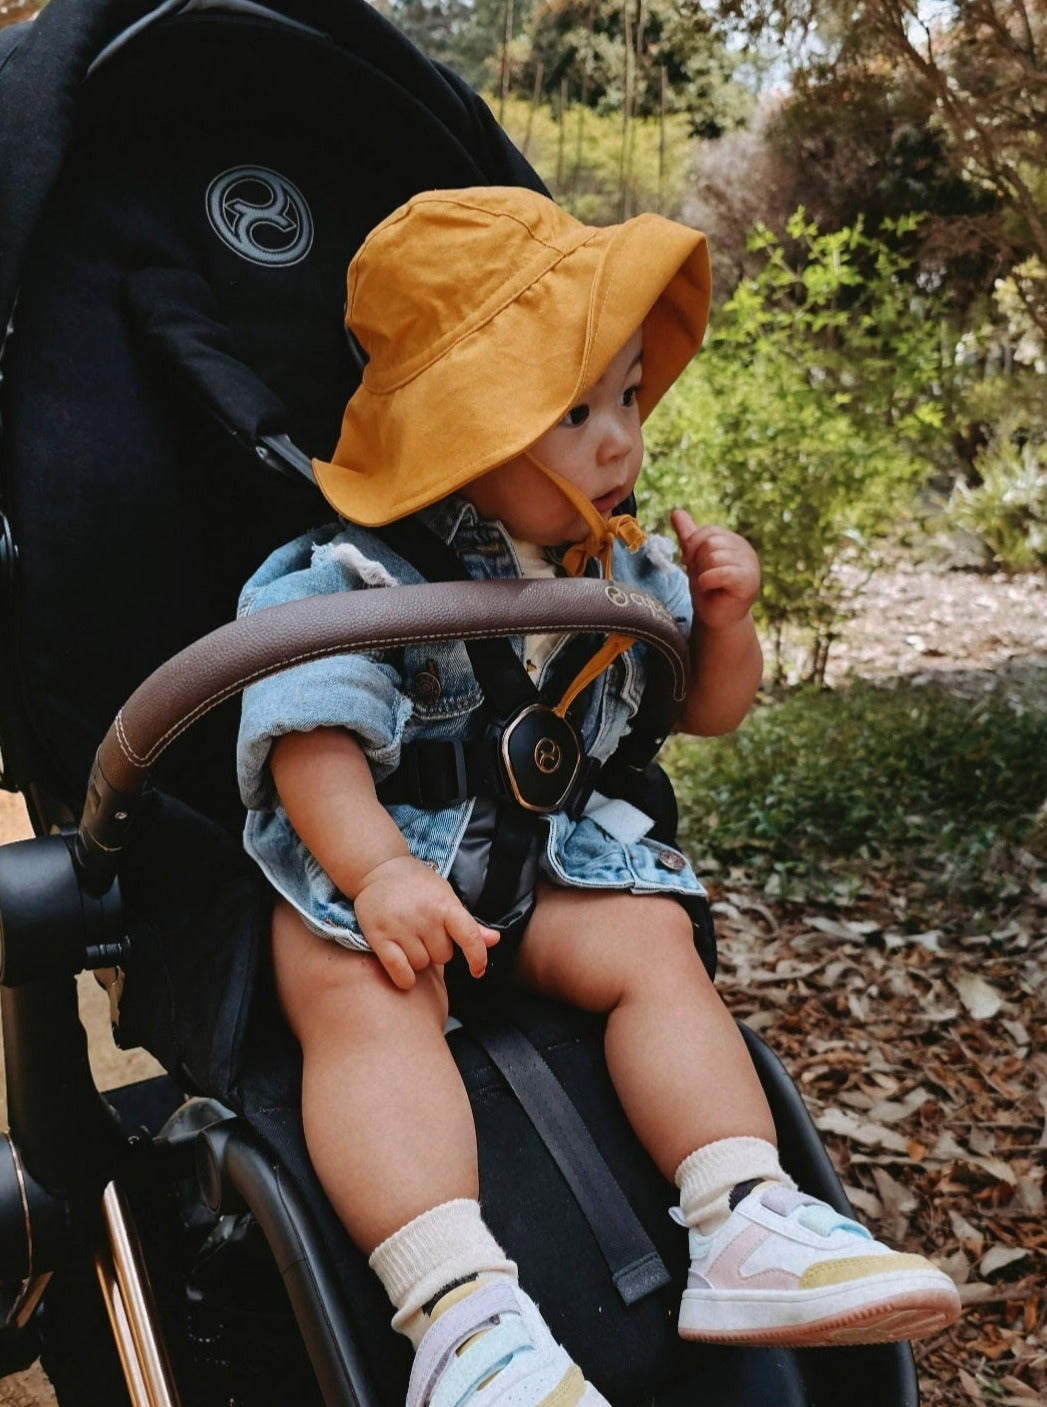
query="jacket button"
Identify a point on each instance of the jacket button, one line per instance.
(671, 860)
(426, 686)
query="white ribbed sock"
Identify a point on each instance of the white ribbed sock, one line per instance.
(707, 1177)
(442, 1247)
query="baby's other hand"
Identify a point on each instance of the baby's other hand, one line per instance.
(412, 918)
(723, 568)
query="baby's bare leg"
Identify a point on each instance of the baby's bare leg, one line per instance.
(677, 1060)
(387, 1120)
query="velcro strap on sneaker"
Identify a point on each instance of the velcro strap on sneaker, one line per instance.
(489, 1353)
(478, 1312)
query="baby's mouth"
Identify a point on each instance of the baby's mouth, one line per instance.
(607, 502)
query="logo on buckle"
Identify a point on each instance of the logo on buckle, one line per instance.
(547, 756)
(541, 756)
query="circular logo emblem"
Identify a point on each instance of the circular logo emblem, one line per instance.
(547, 756)
(260, 215)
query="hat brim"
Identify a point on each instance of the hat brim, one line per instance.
(500, 388)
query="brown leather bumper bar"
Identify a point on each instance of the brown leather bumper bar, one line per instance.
(222, 663)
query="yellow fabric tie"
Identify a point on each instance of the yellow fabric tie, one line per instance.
(623, 527)
(603, 533)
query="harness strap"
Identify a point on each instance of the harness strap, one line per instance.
(473, 768)
(632, 1257)
(500, 674)
(515, 832)
(439, 772)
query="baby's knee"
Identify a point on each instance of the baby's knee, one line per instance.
(649, 941)
(665, 948)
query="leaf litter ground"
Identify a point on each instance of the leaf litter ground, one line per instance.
(919, 1046)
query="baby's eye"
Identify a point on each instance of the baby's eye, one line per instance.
(629, 395)
(577, 415)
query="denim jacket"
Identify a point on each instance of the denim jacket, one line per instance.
(378, 698)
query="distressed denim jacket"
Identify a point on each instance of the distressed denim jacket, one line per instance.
(379, 697)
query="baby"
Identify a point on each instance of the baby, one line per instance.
(512, 356)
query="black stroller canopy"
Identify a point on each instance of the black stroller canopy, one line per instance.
(42, 74)
(174, 259)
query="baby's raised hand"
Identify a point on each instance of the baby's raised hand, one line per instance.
(412, 918)
(724, 571)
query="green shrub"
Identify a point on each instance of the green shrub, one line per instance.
(810, 417)
(1007, 510)
(838, 783)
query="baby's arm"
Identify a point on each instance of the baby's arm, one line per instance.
(726, 659)
(410, 915)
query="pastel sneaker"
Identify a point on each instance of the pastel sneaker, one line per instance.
(785, 1268)
(490, 1345)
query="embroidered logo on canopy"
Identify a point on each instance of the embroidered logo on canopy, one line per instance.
(260, 215)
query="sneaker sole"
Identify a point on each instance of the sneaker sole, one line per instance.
(802, 1318)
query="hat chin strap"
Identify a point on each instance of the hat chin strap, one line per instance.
(603, 532)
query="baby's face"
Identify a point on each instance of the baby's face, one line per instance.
(598, 447)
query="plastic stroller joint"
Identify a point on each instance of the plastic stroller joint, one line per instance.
(102, 834)
(49, 922)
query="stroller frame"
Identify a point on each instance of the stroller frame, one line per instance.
(107, 1190)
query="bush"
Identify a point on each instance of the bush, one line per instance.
(810, 417)
(1007, 509)
(835, 784)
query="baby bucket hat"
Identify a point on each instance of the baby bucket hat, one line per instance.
(484, 314)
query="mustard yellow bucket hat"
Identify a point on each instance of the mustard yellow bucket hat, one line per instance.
(484, 314)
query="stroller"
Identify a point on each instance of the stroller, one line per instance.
(181, 186)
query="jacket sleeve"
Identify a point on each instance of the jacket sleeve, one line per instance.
(654, 569)
(360, 692)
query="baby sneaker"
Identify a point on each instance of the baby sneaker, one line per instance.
(785, 1268)
(488, 1345)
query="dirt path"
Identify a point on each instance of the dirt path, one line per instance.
(916, 622)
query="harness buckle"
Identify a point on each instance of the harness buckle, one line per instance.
(541, 756)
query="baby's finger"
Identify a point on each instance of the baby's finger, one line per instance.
(473, 939)
(683, 524)
(438, 946)
(397, 968)
(722, 578)
(693, 539)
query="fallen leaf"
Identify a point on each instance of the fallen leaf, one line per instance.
(892, 1111)
(971, 1386)
(999, 1257)
(979, 997)
(861, 1131)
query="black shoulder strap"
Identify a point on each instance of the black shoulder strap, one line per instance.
(635, 1265)
(502, 676)
(508, 689)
